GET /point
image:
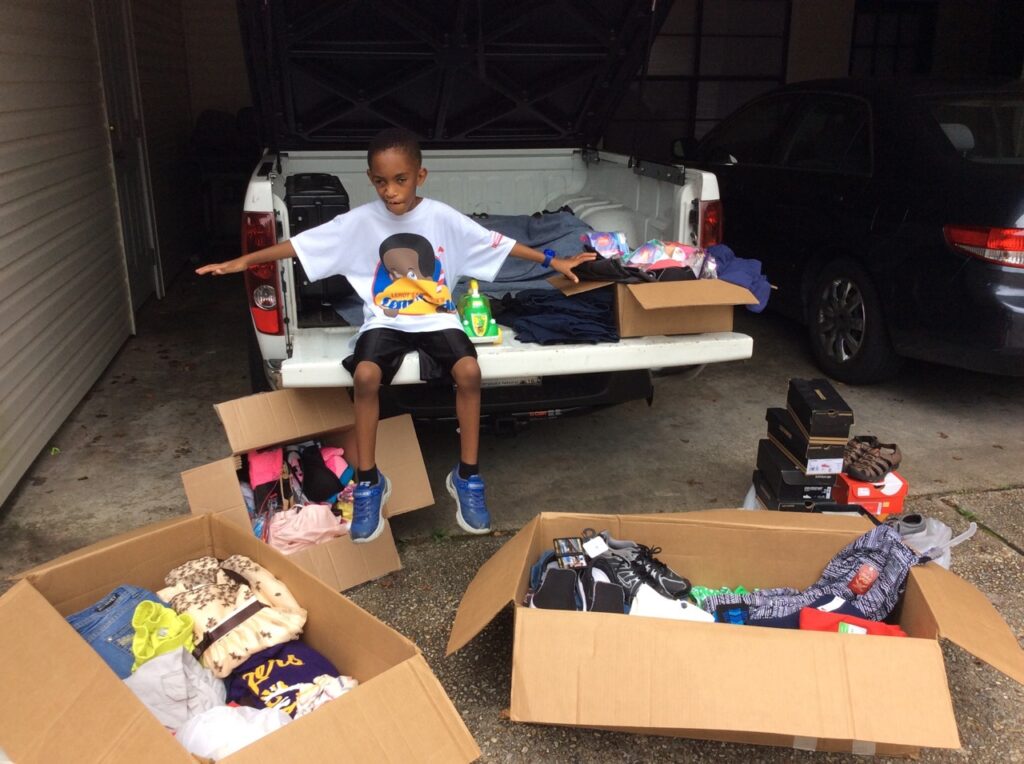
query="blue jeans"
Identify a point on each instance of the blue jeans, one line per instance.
(107, 626)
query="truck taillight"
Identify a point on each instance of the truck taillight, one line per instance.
(710, 223)
(261, 281)
(1003, 246)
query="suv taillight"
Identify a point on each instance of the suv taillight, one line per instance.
(710, 223)
(1003, 246)
(261, 281)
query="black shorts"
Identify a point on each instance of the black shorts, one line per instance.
(438, 351)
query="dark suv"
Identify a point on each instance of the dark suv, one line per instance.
(890, 217)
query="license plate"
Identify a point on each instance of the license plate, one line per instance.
(510, 382)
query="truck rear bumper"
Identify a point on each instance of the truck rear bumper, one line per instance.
(316, 357)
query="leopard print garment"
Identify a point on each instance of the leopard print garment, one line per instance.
(209, 591)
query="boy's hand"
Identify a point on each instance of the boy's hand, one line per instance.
(222, 269)
(564, 265)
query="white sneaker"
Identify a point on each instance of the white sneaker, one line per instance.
(648, 602)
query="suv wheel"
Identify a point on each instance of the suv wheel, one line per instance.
(849, 340)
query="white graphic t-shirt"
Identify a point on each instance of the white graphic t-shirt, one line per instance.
(403, 266)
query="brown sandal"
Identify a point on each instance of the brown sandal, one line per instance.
(856, 447)
(870, 461)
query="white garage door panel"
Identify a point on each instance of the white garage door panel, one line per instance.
(51, 247)
(64, 303)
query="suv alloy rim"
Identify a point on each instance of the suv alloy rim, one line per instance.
(841, 319)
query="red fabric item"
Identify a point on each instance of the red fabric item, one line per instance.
(816, 620)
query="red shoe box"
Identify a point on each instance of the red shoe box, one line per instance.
(883, 498)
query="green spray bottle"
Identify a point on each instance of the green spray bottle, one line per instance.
(475, 314)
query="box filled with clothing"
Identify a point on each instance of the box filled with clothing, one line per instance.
(714, 668)
(266, 424)
(671, 307)
(63, 628)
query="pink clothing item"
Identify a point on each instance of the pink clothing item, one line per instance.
(657, 266)
(334, 460)
(265, 466)
(301, 527)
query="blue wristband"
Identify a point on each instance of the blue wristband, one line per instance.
(549, 255)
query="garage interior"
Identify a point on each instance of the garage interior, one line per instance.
(127, 133)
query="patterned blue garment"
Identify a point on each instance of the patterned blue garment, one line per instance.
(869, 574)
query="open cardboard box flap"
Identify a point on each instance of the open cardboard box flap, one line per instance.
(399, 713)
(668, 294)
(965, 617)
(739, 697)
(673, 294)
(283, 416)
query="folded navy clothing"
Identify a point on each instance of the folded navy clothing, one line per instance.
(742, 272)
(596, 305)
(548, 317)
(558, 231)
(555, 330)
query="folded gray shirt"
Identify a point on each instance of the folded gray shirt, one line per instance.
(175, 687)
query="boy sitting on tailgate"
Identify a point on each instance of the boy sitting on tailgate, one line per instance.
(401, 253)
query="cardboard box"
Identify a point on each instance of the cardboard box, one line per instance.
(800, 689)
(884, 498)
(815, 456)
(294, 415)
(72, 707)
(672, 307)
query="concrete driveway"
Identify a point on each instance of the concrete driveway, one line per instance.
(114, 466)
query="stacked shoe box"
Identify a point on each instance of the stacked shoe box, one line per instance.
(798, 462)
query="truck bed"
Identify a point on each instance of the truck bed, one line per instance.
(606, 191)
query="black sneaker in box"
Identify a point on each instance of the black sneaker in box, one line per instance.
(786, 480)
(819, 410)
(819, 456)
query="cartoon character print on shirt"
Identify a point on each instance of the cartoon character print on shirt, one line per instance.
(410, 280)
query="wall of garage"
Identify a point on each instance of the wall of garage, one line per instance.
(216, 64)
(819, 39)
(160, 51)
(64, 302)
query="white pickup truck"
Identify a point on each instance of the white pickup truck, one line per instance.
(533, 160)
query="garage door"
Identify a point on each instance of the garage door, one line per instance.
(64, 303)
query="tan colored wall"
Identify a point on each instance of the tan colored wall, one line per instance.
(64, 303)
(819, 39)
(216, 64)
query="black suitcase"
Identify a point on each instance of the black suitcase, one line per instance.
(313, 198)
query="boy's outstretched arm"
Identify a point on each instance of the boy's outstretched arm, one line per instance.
(563, 265)
(239, 264)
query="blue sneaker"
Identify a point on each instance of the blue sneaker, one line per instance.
(471, 507)
(367, 502)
